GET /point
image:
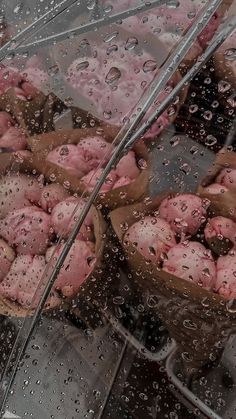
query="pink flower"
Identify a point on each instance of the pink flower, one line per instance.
(152, 237)
(70, 158)
(36, 78)
(64, 217)
(51, 196)
(127, 166)
(78, 265)
(29, 229)
(9, 77)
(216, 189)
(220, 228)
(95, 150)
(114, 82)
(92, 178)
(166, 19)
(7, 256)
(193, 262)
(14, 138)
(18, 191)
(226, 276)
(185, 213)
(227, 178)
(21, 283)
(123, 181)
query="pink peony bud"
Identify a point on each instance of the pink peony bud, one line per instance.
(6, 122)
(36, 77)
(18, 191)
(127, 166)
(152, 237)
(221, 233)
(51, 196)
(64, 217)
(216, 189)
(95, 151)
(227, 178)
(91, 179)
(70, 158)
(29, 229)
(20, 94)
(14, 138)
(185, 213)
(21, 283)
(78, 265)
(193, 262)
(9, 77)
(226, 276)
(123, 181)
(7, 256)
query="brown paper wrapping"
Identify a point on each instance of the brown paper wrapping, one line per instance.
(224, 203)
(225, 69)
(33, 116)
(41, 145)
(10, 163)
(197, 319)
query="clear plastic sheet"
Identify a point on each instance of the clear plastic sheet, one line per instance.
(95, 69)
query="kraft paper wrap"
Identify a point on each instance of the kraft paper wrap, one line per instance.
(41, 145)
(197, 319)
(33, 116)
(10, 163)
(223, 203)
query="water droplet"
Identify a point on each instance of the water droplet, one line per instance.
(152, 301)
(232, 100)
(194, 150)
(185, 168)
(82, 66)
(107, 114)
(230, 54)
(215, 104)
(112, 48)
(231, 306)
(64, 151)
(172, 4)
(142, 164)
(52, 177)
(52, 71)
(210, 140)
(207, 80)
(84, 43)
(193, 108)
(189, 325)
(223, 86)
(149, 66)
(119, 300)
(131, 43)
(124, 398)
(91, 4)
(207, 115)
(175, 141)
(113, 75)
(18, 8)
(143, 396)
(109, 37)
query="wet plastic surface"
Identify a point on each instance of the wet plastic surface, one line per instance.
(102, 350)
